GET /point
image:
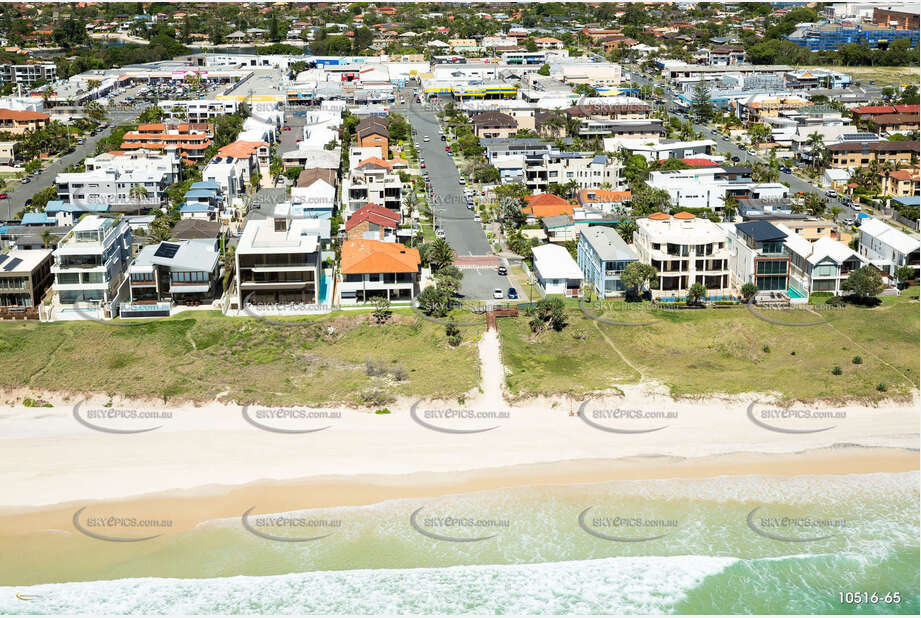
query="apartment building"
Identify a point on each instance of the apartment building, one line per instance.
(725, 55)
(278, 261)
(602, 256)
(828, 36)
(185, 272)
(371, 268)
(373, 180)
(901, 183)
(18, 122)
(760, 107)
(656, 150)
(860, 154)
(586, 169)
(90, 264)
(710, 187)
(166, 162)
(27, 74)
(143, 188)
(820, 266)
(886, 247)
(685, 250)
(25, 275)
(198, 110)
(494, 124)
(189, 139)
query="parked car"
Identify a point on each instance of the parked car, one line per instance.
(831, 193)
(498, 294)
(856, 208)
(287, 128)
(444, 138)
(3, 196)
(447, 149)
(735, 159)
(512, 293)
(476, 218)
(26, 180)
(425, 138)
(502, 270)
(422, 165)
(28, 201)
(850, 221)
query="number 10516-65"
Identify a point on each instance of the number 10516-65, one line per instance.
(854, 598)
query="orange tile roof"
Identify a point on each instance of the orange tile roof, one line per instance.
(546, 205)
(659, 216)
(15, 114)
(374, 256)
(240, 149)
(684, 215)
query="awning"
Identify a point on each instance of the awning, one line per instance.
(188, 289)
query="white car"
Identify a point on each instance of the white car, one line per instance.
(425, 138)
(439, 233)
(498, 294)
(476, 218)
(856, 207)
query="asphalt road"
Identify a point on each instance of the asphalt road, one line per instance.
(796, 183)
(449, 205)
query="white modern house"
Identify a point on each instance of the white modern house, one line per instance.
(90, 263)
(602, 257)
(114, 187)
(886, 247)
(820, 266)
(685, 250)
(556, 271)
(183, 272)
(278, 262)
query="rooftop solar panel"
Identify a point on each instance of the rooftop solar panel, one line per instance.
(3, 258)
(12, 264)
(166, 250)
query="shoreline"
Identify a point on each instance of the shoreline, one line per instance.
(187, 508)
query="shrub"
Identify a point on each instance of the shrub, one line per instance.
(765, 348)
(382, 411)
(454, 335)
(857, 360)
(881, 387)
(836, 371)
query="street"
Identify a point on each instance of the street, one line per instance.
(449, 205)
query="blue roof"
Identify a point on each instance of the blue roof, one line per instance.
(206, 184)
(910, 200)
(195, 207)
(54, 206)
(37, 218)
(201, 193)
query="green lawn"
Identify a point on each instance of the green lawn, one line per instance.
(199, 356)
(574, 361)
(882, 76)
(712, 351)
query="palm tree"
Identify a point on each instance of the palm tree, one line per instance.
(138, 194)
(816, 148)
(440, 253)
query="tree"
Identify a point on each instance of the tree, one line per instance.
(701, 105)
(382, 310)
(749, 290)
(138, 194)
(153, 113)
(695, 293)
(95, 111)
(544, 70)
(757, 133)
(905, 273)
(864, 282)
(647, 200)
(547, 314)
(626, 228)
(636, 275)
(440, 254)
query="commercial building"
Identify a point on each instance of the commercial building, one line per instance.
(826, 37)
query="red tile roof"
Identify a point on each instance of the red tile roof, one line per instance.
(374, 214)
(546, 205)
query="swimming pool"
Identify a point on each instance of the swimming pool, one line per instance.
(794, 293)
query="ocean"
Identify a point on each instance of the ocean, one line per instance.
(744, 544)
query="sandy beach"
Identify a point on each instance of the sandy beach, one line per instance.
(51, 458)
